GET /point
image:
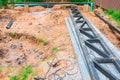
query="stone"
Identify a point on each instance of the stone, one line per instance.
(19, 44)
(38, 78)
(38, 56)
(28, 51)
(16, 45)
(11, 58)
(3, 52)
(35, 50)
(21, 59)
(13, 46)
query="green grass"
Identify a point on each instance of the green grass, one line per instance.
(12, 34)
(114, 14)
(55, 49)
(110, 11)
(22, 74)
(13, 78)
(42, 41)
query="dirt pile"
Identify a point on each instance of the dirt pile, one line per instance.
(36, 9)
(7, 14)
(64, 6)
(56, 18)
(3, 11)
(19, 8)
(30, 9)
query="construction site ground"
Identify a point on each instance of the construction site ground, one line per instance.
(39, 38)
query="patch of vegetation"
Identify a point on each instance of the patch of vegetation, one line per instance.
(110, 11)
(12, 34)
(23, 73)
(55, 49)
(13, 78)
(114, 14)
(43, 41)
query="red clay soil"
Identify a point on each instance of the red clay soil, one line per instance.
(113, 36)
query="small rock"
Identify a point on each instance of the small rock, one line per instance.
(21, 55)
(3, 52)
(21, 59)
(38, 56)
(35, 50)
(28, 51)
(38, 78)
(21, 62)
(11, 58)
(19, 44)
(13, 46)
(38, 31)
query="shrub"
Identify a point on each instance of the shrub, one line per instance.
(13, 78)
(114, 14)
(23, 73)
(110, 11)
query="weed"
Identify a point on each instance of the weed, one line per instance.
(26, 71)
(114, 14)
(110, 11)
(55, 49)
(23, 73)
(12, 34)
(13, 78)
(42, 41)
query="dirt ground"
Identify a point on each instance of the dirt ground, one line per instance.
(40, 38)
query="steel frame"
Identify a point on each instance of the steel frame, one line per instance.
(97, 54)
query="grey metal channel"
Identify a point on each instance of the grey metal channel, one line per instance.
(101, 62)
